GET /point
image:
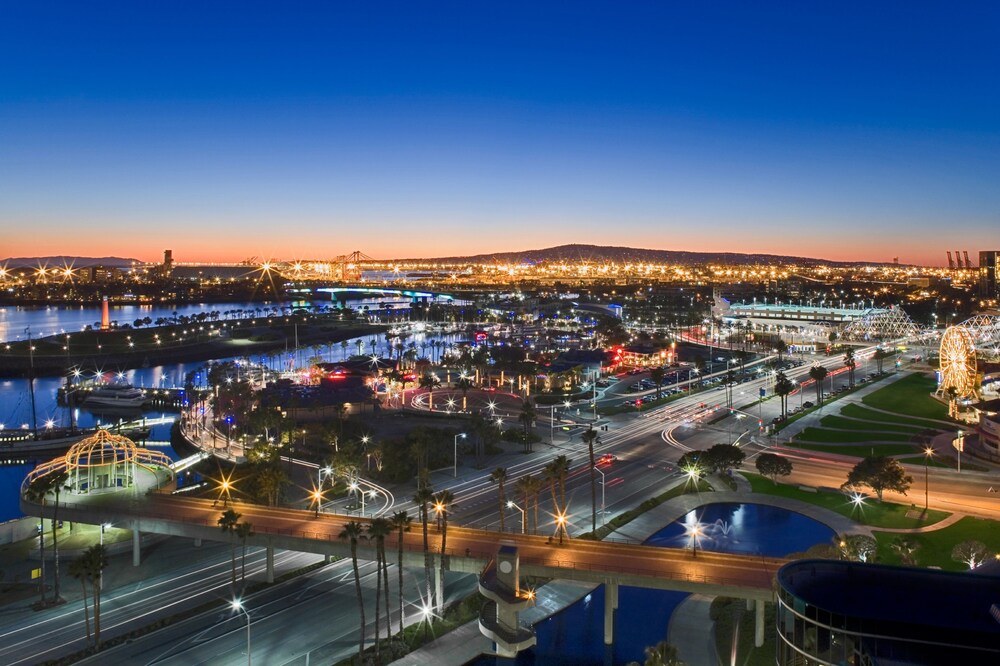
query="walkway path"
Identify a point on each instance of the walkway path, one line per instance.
(940, 525)
(690, 632)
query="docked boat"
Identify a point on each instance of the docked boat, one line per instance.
(124, 396)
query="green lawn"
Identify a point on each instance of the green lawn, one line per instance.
(861, 412)
(860, 451)
(836, 436)
(868, 426)
(874, 513)
(935, 547)
(911, 396)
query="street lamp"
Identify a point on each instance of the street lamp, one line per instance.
(455, 468)
(694, 532)
(317, 497)
(928, 452)
(100, 581)
(238, 605)
(512, 505)
(561, 525)
(320, 473)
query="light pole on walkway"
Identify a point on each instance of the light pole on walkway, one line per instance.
(512, 505)
(238, 605)
(928, 452)
(455, 468)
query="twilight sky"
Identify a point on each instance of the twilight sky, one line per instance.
(225, 130)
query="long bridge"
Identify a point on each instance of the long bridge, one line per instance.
(468, 550)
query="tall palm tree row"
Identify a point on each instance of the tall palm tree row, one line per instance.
(78, 570)
(422, 498)
(228, 522)
(354, 532)
(401, 522)
(443, 502)
(499, 477)
(818, 374)
(378, 529)
(38, 491)
(244, 531)
(88, 568)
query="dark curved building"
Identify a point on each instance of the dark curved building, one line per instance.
(833, 612)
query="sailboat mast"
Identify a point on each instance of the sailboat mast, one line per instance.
(31, 384)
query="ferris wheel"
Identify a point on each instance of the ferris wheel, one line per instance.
(958, 362)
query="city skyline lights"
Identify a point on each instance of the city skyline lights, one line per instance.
(240, 130)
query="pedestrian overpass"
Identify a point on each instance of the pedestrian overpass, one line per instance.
(469, 550)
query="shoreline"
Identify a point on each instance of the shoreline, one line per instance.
(19, 365)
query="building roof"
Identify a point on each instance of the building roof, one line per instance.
(911, 600)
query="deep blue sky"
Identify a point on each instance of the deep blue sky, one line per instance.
(224, 130)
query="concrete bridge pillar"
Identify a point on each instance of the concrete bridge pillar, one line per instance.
(758, 627)
(270, 564)
(610, 605)
(750, 603)
(197, 542)
(136, 549)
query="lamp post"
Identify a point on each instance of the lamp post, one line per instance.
(317, 497)
(320, 473)
(596, 469)
(561, 525)
(455, 468)
(512, 505)
(238, 605)
(928, 452)
(694, 531)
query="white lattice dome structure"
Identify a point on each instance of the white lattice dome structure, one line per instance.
(103, 461)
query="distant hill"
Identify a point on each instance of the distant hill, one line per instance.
(599, 253)
(77, 262)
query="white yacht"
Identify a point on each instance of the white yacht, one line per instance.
(116, 395)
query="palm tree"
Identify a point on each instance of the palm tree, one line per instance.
(588, 438)
(556, 472)
(57, 481)
(537, 483)
(527, 418)
(850, 363)
(354, 531)
(656, 375)
(463, 385)
(36, 492)
(818, 374)
(91, 565)
(378, 529)
(443, 501)
(270, 480)
(783, 386)
(429, 382)
(79, 571)
(499, 476)
(228, 522)
(244, 531)
(421, 499)
(401, 522)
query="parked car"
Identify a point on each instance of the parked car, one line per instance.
(807, 404)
